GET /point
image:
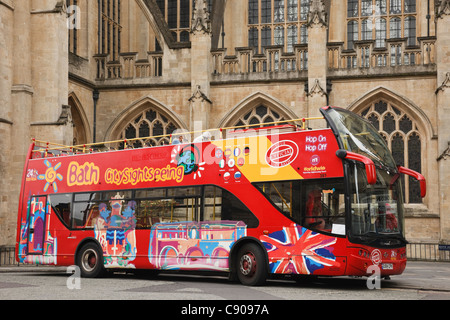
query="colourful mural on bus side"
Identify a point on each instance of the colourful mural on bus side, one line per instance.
(115, 230)
(37, 246)
(194, 245)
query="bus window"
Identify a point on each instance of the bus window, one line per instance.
(151, 211)
(85, 205)
(280, 194)
(212, 204)
(80, 214)
(183, 192)
(150, 193)
(314, 204)
(233, 209)
(324, 207)
(167, 205)
(112, 195)
(222, 205)
(151, 206)
(378, 208)
(94, 196)
(144, 213)
(61, 204)
(92, 217)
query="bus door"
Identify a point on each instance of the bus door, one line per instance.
(36, 224)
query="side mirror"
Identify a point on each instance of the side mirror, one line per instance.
(371, 171)
(418, 176)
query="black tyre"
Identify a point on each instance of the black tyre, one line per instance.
(251, 266)
(90, 261)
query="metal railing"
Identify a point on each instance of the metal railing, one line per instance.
(428, 252)
(44, 149)
(7, 257)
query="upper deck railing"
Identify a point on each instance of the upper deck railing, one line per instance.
(45, 149)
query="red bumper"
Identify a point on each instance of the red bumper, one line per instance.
(390, 261)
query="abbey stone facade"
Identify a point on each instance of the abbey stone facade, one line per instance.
(80, 71)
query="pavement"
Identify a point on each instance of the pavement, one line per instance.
(426, 276)
(31, 268)
(418, 275)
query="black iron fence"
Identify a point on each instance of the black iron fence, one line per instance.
(414, 251)
(7, 257)
(428, 252)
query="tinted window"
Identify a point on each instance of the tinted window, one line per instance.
(315, 204)
(222, 205)
(61, 204)
(143, 208)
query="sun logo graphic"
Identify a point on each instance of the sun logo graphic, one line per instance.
(51, 176)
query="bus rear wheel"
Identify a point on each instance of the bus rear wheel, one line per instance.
(251, 265)
(90, 261)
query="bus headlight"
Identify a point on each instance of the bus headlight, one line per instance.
(363, 253)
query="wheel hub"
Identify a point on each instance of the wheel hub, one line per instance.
(89, 260)
(248, 264)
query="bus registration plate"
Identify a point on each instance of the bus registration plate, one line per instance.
(387, 266)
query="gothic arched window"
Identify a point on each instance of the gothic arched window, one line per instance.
(403, 138)
(277, 22)
(259, 115)
(110, 28)
(178, 15)
(381, 20)
(151, 127)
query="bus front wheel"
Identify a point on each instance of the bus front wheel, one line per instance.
(251, 265)
(90, 261)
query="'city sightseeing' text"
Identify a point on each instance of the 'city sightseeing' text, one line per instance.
(145, 174)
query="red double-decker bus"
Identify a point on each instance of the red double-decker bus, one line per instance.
(274, 200)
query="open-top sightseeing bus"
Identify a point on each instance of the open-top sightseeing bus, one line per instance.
(282, 199)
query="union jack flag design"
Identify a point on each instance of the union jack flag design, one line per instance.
(297, 250)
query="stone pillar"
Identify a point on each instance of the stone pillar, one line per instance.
(22, 87)
(50, 78)
(317, 60)
(21, 92)
(6, 62)
(443, 113)
(15, 106)
(200, 104)
(338, 14)
(236, 35)
(6, 124)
